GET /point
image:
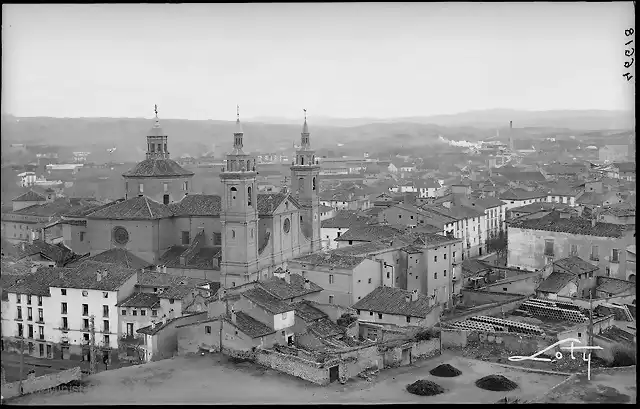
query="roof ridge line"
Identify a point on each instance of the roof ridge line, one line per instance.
(148, 207)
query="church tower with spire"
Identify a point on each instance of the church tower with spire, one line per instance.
(239, 215)
(305, 183)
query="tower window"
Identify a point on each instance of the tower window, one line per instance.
(233, 193)
(165, 147)
(165, 199)
(152, 147)
(185, 186)
(314, 184)
(248, 165)
(233, 234)
(249, 192)
(302, 160)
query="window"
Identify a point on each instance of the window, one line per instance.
(445, 272)
(18, 298)
(185, 186)
(165, 199)
(408, 319)
(370, 312)
(105, 325)
(85, 323)
(249, 196)
(141, 188)
(82, 236)
(63, 291)
(40, 315)
(105, 295)
(615, 256)
(574, 250)
(369, 281)
(30, 327)
(435, 276)
(331, 279)
(388, 274)
(29, 314)
(106, 340)
(85, 293)
(579, 334)
(19, 313)
(171, 301)
(41, 349)
(41, 332)
(504, 288)
(445, 256)
(379, 316)
(548, 248)
(20, 330)
(65, 323)
(124, 312)
(454, 255)
(217, 239)
(40, 298)
(85, 309)
(591, 275)
(154, 313)
(594, 253)
(134, 313)
(143, 312)
(608, 271)
(435, 259)
(331, 299)
(185, 238)
(207, 329)
(64, 308)
(105, 311)
(28, 300)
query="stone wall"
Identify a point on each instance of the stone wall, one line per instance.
(511, 343)
(10, 390)
(309, 371)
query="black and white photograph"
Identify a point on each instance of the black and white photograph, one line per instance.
(318, 203)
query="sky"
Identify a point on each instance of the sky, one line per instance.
(340, 60)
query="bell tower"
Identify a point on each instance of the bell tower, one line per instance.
(305, 184)
(239, 215)
(157, 141)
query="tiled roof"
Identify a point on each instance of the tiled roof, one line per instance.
(555, 282)
(30, 196)
(332, 259)
(202, 260)
(137, 208)
(539, 206)
(267, 301)
(411, 250)
(361, 249)
(428, 239)
(625, 166)
(157, 168)
(573, 225)
(521, 194)
(620, 210)
(524, 176)
(279, 287)
(307, 312)
(486, 202)
(84, 276)
(619, 335)
(345, 219)
(156, 279)
(324, 327)
(388, 300)
(37, 283)
(574, 265)
(269, 202)
(140, 300)
(120, 257)
(250, 326)
(58, 253)
(149, 330)
(175, 292)
(58, 207)
(89, 208)
(614, 285)
(428, 184)
(197, 205)
(370, 233)
(471, 267)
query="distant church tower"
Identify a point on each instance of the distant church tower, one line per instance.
(511, 136)
(239, 215)
(305, 182)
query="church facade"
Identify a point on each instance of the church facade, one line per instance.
(236, 237)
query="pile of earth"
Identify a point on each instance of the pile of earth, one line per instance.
(445, 371)
(496, 383)
(423, 387)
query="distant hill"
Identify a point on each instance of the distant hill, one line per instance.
(357, 135)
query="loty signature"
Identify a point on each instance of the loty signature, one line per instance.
(558, 355)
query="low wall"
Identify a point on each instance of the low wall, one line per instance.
(292, 365)
(520, 344)
(40, 383)
(492, 309)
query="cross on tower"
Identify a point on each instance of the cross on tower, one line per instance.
(155, 108)
(238, 111)
(305, 114)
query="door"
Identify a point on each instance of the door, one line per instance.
(406, 356)
(65, 353)
(49, 353)
(129, 329)
(333, 373)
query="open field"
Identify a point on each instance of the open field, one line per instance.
(214, 379)
(610, 385)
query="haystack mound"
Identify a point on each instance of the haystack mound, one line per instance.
(496, 383)
(445, 371)
(423, 387)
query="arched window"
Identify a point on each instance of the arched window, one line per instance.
(302, 160)
(249, 195)
(233, 193)
(233, 234)
(248, 165)
(314, 184)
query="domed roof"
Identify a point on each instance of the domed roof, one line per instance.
(157, 168)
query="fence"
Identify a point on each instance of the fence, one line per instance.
(40, 383)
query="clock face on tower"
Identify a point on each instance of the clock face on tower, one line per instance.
(120, 235)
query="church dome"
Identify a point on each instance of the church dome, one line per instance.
(157, 168)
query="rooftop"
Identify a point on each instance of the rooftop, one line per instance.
(251, 326)
(30, 196)
(279, 287)
(306, 311)
(521, 194)
(157, 168)
(150, 330)
(197, 205)
(157, 279)
(574, 225)
(574, 265)
(555, 282)
(539, 206)
(118, 256)
(54, 252)
(137, 208)
(346, 219)
(471, 267)
(614, 286)
(269, 202)
(267, 301)
(362, 249)
(388, 300)
(37, 283)
(202, 260)
(85, 276)
(370, 233)
(140, 300)
(330, 259)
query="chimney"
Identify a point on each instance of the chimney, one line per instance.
(158, 269)
(307, 284)
(233, 315)
(23, 246)
(99, 276)
(407, 297)
(34, 268)
(414, 295)
(287, 277)
(164, 269)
